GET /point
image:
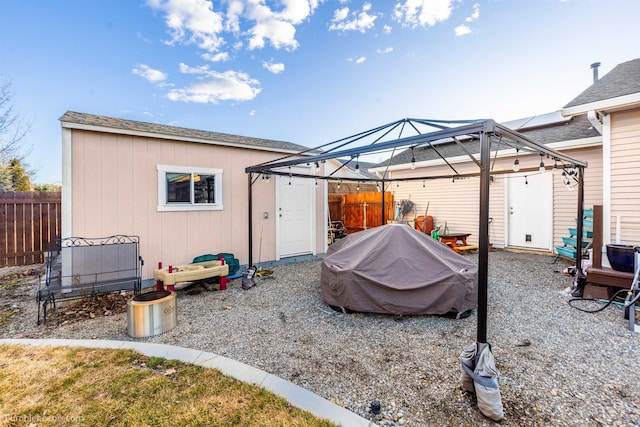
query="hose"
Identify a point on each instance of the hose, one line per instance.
(622, 291)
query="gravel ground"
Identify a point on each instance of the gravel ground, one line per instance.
(558, 366)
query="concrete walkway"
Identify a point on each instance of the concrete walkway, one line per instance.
(297, 396)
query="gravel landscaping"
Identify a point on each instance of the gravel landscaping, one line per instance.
(558, 366)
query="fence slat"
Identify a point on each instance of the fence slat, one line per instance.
(11, 235)
(4, 248)
(29, 221)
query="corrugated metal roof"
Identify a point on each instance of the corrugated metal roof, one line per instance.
(546, 119)
(624, 79)
(133, 127)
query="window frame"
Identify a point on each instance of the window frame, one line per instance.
(164, 206)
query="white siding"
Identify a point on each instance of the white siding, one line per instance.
(457, 203)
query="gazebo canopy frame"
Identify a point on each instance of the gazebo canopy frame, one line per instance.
(478, 139)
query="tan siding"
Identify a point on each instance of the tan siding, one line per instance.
(565, 202)
(625, 176)
(458, 203)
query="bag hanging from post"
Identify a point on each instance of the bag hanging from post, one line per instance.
(484, 375)
(249, 277)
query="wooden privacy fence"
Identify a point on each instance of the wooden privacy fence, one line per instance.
(29, 221)
(360, 211)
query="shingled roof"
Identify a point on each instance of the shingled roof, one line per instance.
(624, 79)
(72, 119)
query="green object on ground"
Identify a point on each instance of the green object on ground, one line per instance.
(234, 263)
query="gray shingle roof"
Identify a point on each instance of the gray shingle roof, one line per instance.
(179, 133)
(624, 79)
(567, 130)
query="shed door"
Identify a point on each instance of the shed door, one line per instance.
(530, 210)
(296, 216)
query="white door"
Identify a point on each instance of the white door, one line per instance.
(530, 210)
(296, 216)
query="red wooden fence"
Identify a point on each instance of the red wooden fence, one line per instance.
(29, 221)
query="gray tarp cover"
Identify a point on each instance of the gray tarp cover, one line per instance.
(398, 270)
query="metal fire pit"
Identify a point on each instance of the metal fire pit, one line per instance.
(151, 313)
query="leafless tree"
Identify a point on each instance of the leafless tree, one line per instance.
(13, 127)
(13, 132)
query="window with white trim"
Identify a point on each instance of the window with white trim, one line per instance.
(189, 189)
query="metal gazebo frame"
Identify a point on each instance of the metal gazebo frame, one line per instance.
(479, 136)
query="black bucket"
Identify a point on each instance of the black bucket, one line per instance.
(151, 296)
(621, 257)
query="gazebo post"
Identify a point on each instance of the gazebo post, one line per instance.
(483, 236)
(249, 192)
(579, 274)
(383, 209)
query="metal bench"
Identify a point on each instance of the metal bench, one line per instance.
(80, 266)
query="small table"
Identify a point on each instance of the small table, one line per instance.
(452, 240)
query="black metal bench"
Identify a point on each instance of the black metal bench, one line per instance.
(79, 266)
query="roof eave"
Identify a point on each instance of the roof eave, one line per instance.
(129, 132)
(618, 103)
(560, 145)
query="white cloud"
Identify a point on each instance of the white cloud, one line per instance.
(213, 87)
(191, 21)
(386, 29)
(475, 14)
(358, 60)
(274, 68)
(385, 50)
(210, 25)
(411, 13)
(280, 34)
(216, 57)
(462, 30)
(360, 21)
(149, 74)
(276, 27)
(340, 14)
(196, 21)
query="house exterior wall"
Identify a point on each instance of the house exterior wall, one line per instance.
(114, 190)
(625, 178)
(565, 201)
(457, 202)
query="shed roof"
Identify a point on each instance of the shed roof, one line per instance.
(624, 79)
(75, 120)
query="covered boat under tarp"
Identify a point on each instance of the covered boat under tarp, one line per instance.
(398, 270)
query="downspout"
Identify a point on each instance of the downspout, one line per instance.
(595, 121)
(606, 180)
(602, 123)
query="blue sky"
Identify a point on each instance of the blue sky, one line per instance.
(304, 71)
